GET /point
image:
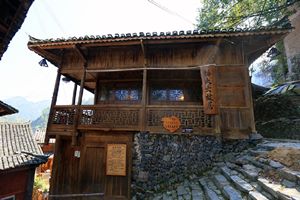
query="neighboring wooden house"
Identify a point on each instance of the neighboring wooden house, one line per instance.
(12, 15)
(175, 83)
(6, 109)
(19, 156)
(39, 136)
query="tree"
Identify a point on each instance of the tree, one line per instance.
(224, 14)
(241, 13)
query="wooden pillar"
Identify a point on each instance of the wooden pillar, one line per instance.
(53, 103)
(78, 109)
(54, 181)
(249, 85)
(79, 102)
(74, 94)
(144, 100)
(144, 89)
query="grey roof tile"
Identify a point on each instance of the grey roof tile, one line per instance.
(18, 146)
(231, 32)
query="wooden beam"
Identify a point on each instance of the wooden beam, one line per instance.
(80, 53)
(48, 55)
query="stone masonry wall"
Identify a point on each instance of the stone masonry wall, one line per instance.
(162, 160)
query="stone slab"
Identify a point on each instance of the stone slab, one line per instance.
(231, 193)
(241, 184)
(255, 195)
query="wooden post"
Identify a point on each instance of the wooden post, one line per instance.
(144, 100)
(74, 94)
(144, 89)
(81, 86)
(53, 103)
(78, 109)
(249, 84)
(55, 167)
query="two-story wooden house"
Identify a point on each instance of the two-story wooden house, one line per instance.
(178, 83)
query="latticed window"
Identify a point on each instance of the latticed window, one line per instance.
(175, 87)
(115, 93)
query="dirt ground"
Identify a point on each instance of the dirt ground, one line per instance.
(289, 157)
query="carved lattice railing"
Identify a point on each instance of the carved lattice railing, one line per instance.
(191, 117)
(129, 117)
(104, 117)
(63, 115)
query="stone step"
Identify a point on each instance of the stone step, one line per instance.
(255, 195)
(258, 152)
(210, 193)
(250, 171)
(257, 163)
(290, 175)
(247, 187)
(279, 191)
(228, 191)
(196, 191)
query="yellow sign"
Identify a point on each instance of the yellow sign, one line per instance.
(172, 123)
(116, 160)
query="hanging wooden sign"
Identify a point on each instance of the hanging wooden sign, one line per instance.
(209, 90)
(172, 123)
(116, 160)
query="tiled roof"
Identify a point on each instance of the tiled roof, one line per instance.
(160, 36)
(18, 147)
(39, 136)
(6, 109)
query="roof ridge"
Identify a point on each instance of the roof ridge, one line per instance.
(152, 35)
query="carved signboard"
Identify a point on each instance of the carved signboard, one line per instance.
(172, 123)
(209, 88)
(116, 160)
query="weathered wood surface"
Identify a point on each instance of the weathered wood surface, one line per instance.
(87, 174)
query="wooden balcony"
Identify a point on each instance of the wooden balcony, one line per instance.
(66, 119)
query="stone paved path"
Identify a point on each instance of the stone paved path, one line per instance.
(246, 177)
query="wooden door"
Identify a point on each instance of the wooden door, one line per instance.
(93, 169)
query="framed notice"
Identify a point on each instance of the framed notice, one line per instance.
(116, 160)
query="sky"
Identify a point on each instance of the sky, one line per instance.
(21, 74)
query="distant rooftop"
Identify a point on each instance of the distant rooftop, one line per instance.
(6, 109)
(18, 147)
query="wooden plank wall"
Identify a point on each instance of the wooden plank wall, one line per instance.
(87, 174)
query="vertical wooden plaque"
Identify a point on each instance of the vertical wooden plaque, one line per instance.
(116, 160)
(209, 90)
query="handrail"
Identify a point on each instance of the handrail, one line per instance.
(75, 195)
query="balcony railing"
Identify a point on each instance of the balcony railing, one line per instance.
(128, 118)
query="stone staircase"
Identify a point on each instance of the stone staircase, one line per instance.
(247, 176)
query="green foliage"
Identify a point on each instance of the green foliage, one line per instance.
(241, 13)
(271, 107)
(41, 121)
(40, 184)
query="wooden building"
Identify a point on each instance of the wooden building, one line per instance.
(193, 82)
(19, 156)
(12, 15)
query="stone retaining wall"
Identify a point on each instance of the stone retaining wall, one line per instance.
(162, 160)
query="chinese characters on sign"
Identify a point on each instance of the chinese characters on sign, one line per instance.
(208, 76)
(116, 160)
(172, 123)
